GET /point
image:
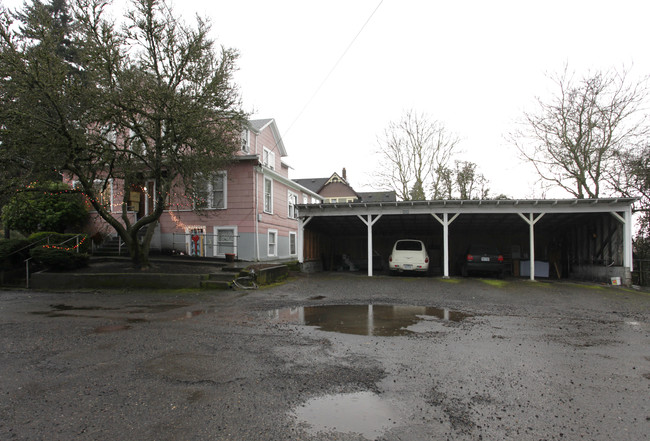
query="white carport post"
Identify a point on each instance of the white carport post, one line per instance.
(531, 220)
(445, 238)
(370, 222)
(301, 237)
(626, 220)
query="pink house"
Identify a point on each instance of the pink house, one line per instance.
(248, 209)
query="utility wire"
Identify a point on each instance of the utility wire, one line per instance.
(332, 69)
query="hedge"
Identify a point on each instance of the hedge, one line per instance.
(59, 238)
(10, 256)
(59, 259)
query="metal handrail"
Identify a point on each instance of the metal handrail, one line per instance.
(30, 245)
(77, 240)
(27, 272)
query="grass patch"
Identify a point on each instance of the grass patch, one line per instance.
(449, 280)
(495, 283)
(585, 285)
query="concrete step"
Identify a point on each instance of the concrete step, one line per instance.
(216, 284)
(233, 269)
(227, 277)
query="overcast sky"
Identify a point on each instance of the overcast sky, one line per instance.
(473, 65)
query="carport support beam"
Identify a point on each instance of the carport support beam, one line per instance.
(370, 222)
(628, 258)
(531, 220)
(445, 238)
(301, 237)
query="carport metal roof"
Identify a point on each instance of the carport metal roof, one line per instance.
(345, 216)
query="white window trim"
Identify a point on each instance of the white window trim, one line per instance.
(152, 196)
(210, 202)
(270, 208)
(289, 205)
(268, 243)
(110, 188)
(268, 158)
(295, 243)
(215, 247)
(246, 141)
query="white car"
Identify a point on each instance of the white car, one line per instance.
(408, 255)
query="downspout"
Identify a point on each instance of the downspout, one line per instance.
(257, 208)
(255, 215)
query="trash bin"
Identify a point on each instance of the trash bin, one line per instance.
(230, 257)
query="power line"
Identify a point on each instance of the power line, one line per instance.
(332, 69)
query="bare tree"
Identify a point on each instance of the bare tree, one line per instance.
(414, 151)
(574, 136)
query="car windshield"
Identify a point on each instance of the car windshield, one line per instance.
(408, 245)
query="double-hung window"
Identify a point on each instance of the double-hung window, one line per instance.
(268, 195)
(293, 245)
(245, 141)
(211, 191)
(292, 200)
(273, 242)
(103, 190)
(268, 158)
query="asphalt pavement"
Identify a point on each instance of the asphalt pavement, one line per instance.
(331, 356)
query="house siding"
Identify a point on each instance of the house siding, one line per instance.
(243, 211)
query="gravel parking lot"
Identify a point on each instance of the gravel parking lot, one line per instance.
(488, 359)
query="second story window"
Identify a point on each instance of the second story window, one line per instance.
(211, 191)
(103, 191)
(245, 141)
(268, 158)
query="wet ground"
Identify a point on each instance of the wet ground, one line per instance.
(329, 357)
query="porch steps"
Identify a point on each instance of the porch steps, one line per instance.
(111, 247)
(222, 280)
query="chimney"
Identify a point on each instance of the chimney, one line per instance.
(345, 175)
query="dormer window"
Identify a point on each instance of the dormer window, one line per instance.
(268, 158)
(245, 141)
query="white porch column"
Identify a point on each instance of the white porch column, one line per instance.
(370, 222)
(531, 221)
(626, 220)
(301, 238)
(445, 238)
(628, 257)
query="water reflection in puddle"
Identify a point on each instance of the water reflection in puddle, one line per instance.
(362, 412)
(377, 320)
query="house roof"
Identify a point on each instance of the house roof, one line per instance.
(257, 125)
(501, 216)
(313, 184)
(378, 196)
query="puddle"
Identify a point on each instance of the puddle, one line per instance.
(364, 413)
(377, 320)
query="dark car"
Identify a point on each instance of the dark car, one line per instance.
(482, 259)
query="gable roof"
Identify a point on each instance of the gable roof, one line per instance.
(313, 184)
(257, 125)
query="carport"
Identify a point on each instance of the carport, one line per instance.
(583, 238)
